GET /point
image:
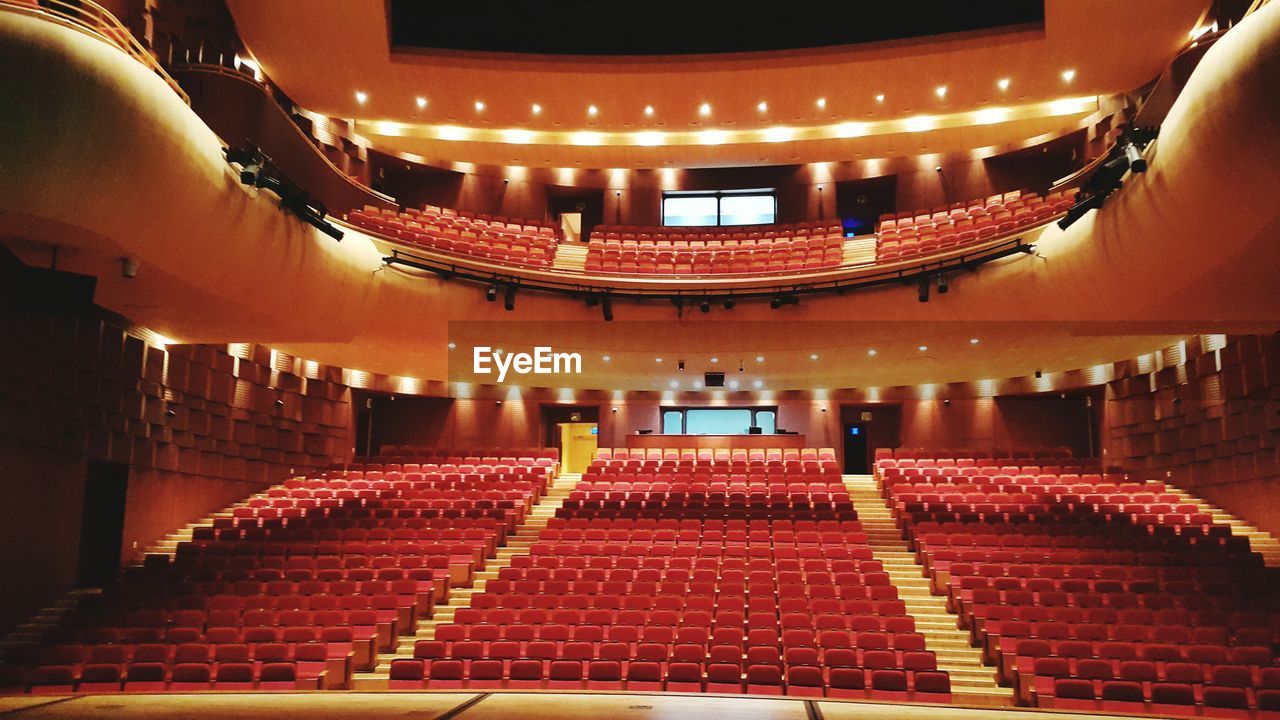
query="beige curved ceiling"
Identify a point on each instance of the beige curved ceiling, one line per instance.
(323, 52)
(1188, 247)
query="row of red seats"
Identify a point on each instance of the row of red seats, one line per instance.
(962, 457)
(719, 455)
(477, 238)
(663, 236)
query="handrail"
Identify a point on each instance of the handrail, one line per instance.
(244, 77)
(92, 17)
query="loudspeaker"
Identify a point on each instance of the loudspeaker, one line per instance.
(713, 379)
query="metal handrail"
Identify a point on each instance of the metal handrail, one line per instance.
(89, 16)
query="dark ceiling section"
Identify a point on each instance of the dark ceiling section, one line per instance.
(663, 27)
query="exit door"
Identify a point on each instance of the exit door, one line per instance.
(578, 443)
(857, 461)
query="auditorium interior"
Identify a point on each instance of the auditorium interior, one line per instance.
(382, 358)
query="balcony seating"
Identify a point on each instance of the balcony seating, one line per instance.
(297, 586)
(503, 240)
(1089, 590)
(912, 234)
(752, 249)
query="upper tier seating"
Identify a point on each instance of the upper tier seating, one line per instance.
(698, 251)
(944, 228)
(765, 586)
(297, 586)
(506, 240)
(1090, 591)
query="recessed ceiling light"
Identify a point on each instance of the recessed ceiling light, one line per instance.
(941, 91)
(822, 103)
(1003, 83)
(422, 102)
(675, 383)
(361, 96)
(704, 109)
(973, 341)
(758, 383)
(657, 359)
(453, 345)
(697, 384)
(1068, 75)
(872, 352)
(715, 360)
(648, 110)
(479, 106)
(759, 358)
(763, 106)
(606, 358)
(733, 384)
(814, 356)
(923, 348)
(880, 98)
(592, 110)
(537, 109)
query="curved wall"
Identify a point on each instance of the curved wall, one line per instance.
(1180, 248)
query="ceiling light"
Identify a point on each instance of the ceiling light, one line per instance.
(453, 345)
(1068, 75)
(361, 96)
(715, 360)
(704, 109)
(763, 106)
(880, 98)
(941, 91)
(450, 132)
(518, 137)
(990, 116)
(813, 356)
(758, 383)
(973, 341)
(586, 137)
(675, 383)
(759, 358)
(592, 110)
(712, 137)
(479, 106)
(920, 123)
(1003, 84)
(822, 103)
(650, 138)
(537, 109)
(697, 384)
(850, 129)
(733, 384)
(422, 102)
(606, 358)
(778, 134)
(872, 352)
(657, 359)
(648, 110)
(922, 348)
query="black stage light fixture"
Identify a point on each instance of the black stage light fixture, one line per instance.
(923, 289)
(509, 298)
(678, 302)
(781, 300)
(1137, 163)
(606, 308)
(943, 287)
(729, 303)
(491, 294)
(704, 306)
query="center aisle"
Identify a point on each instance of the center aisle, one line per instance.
(971, 682)
(460, 597)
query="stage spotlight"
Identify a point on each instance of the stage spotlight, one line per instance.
(775, 303)
(781, 300)
(1133, 154)
(729, 303)
(943, 287)
(491, 294)
(1029, 249)
(509, 299)
(923, 289)
(606, 308)
(1077, 211)
(678, 302)
(704, 306)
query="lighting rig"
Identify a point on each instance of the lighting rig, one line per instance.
(1125, 157)
(256, 169)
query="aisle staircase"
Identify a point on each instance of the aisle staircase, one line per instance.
(518, 543)
(570, 256)
(858, 251)
(1260, 541)
(971, 682)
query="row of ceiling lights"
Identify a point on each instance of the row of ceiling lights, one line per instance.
(704, 109)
